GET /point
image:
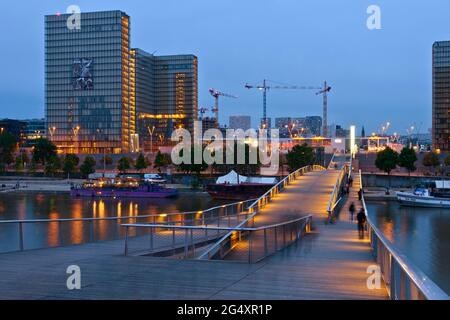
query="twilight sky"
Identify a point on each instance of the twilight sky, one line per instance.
(377, 76)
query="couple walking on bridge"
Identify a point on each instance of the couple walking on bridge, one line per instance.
(360, 218)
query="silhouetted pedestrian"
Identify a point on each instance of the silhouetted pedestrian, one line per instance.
(360, 192)
(361, 217)
(352, 210)
(350, 181)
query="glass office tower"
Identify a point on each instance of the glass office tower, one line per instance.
(87, 83)
(167, 98)
(441, 96)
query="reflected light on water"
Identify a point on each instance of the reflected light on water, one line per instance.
(76, 227)
(53, 230)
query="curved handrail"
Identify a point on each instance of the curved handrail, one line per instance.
(149, 225)
(426, 286)
(332, 203)
(265, 196)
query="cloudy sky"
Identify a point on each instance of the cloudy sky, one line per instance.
(376, 75)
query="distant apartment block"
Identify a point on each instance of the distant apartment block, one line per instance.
(98, 89)
(240, 122)
(313, 125)
(283, 122)
(441, 96)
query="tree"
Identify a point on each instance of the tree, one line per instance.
(70, 164)
(300, 156)
(247, 166)
(431, 159)
(407, 158)
(387, 160)
(162, 160)
(124, 164)
(7, 146)
(192, 167)
(88, 166)
(141, 163)
(52, 165)
(21, 160)
(44, 150)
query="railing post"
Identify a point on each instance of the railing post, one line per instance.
(192, 242)
(91, 231)
(392, 284)
(173, 237)
(126, 241)
(151, 238)
(21, 236)
(59, 234)
(186, 243)
(266, 249)
(276, 238)
(249, 247)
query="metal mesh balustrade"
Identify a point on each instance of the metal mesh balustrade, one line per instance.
(245, 244)
(403, 279)
(19, 235)
(227, 242)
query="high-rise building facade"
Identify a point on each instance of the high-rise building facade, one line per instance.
(103, 96)
(240, 122)
(283, 122)
(87, 83)
(165, 94)
(441, 96)
(313, 125)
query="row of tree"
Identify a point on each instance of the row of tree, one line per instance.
(388, 160)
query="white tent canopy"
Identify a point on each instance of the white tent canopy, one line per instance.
(234, 178)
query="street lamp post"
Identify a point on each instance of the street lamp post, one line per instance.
(100, 131)
(76, 130)
(151, 131)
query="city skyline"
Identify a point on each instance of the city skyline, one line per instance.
(251, 57)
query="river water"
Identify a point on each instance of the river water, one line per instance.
(422, 234)
(26, 206)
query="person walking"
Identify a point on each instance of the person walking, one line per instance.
(352, 210)
(361, 217)
(360, 193)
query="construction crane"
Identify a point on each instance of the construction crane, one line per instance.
(264, 88)
(324, 92)
(216, 94)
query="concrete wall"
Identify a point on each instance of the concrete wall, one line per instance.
(379, 180)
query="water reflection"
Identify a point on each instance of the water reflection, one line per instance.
(422, 234)
(60, 206)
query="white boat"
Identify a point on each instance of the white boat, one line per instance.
(422, 198)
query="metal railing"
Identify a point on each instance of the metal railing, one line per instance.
(262, 201)
(404, 280)
(336, 195)
(20, 235)
(249, 244)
